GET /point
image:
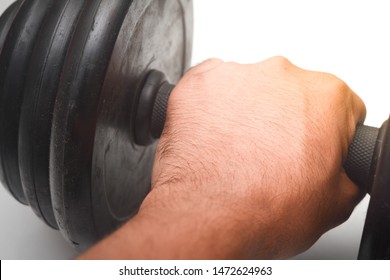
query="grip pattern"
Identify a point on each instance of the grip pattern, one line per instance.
(160, 110)
(359, 162)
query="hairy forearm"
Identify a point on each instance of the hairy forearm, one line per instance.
(169, 226)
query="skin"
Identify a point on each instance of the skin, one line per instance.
(249, 166)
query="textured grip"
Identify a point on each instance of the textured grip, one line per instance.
(160, 109)
(152, 108)
(360, 164)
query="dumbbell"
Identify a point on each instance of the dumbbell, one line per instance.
(84, 87)
(71, 72)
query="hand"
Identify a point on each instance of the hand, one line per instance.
(250, 163)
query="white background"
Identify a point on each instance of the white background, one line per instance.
(347, 38)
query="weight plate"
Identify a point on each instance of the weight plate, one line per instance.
(14, 62)
(6, 21)
(38, 104)
(375, 243)
(99, 176)
(155, 35)
(74, 117)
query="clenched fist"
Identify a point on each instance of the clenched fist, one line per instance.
(250, 165)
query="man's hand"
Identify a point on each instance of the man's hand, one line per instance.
(250, 165)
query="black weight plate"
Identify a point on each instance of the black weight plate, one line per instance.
(155, 35)
(14, 62)
(99, 176)
(375, 243)
(38, 104)
(74, 117)
(6, 21)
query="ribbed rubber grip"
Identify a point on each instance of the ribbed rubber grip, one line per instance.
(360, 163)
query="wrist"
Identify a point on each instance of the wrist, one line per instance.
(198, 226)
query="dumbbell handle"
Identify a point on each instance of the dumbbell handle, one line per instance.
(360, 164)
(152, 108)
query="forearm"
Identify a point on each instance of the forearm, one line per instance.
(168, 226)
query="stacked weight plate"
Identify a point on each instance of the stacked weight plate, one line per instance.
(70, 73)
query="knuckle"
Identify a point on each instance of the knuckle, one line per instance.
(335, 90)
(211, 61)
(338, 85)
(334, 84)
(207, 64)
(198, 73)
(280, 62)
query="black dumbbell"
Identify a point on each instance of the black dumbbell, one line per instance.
(70, 73)
(84, 90)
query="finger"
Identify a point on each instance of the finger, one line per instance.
(348, 197)
(358, 108)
